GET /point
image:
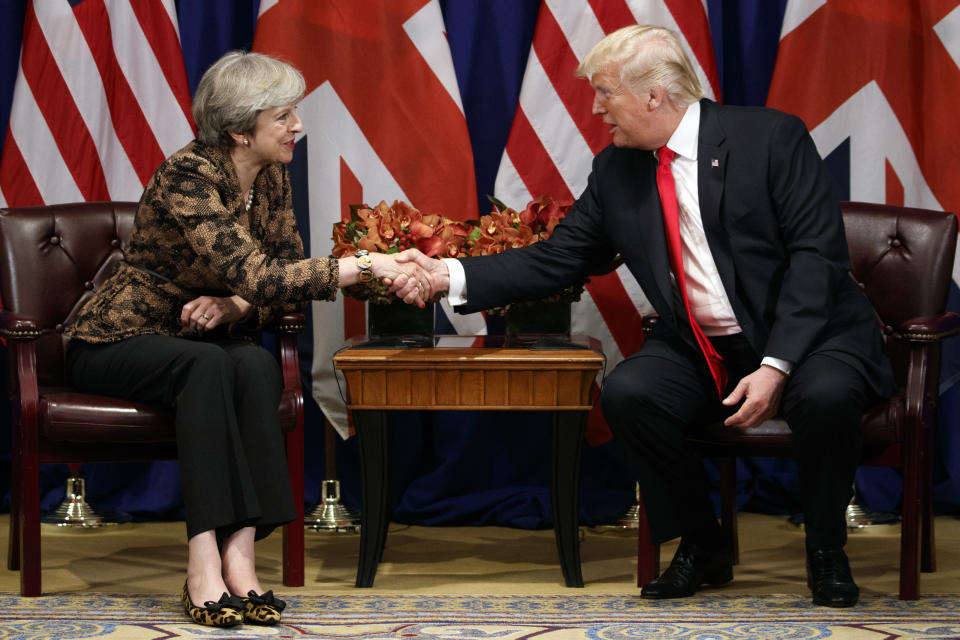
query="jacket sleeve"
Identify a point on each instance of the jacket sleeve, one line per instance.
(282, 239)
(576, 248)
(811, 226)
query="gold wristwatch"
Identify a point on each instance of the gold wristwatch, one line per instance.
(365, 264)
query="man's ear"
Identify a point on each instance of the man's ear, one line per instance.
(655, 96)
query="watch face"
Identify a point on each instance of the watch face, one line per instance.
(365, 264)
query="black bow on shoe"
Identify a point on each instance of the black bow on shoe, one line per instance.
(226, 601)
(266, 598)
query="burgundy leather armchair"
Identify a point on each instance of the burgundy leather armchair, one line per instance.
(51, 260)
(902, 258)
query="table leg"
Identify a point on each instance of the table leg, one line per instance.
(374, 514)
(568, 430)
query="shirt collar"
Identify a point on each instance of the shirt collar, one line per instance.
(686, 136)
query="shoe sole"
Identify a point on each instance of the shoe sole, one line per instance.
(716, 580)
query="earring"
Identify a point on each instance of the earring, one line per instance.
(245, 141)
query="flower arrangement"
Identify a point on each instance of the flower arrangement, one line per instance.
(397, 227)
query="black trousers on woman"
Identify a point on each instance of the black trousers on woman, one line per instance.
(225, 396)
(652, 398)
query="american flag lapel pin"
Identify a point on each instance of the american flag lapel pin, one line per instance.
(714, 162)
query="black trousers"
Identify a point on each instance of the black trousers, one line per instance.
(652, 398)
(225, 396)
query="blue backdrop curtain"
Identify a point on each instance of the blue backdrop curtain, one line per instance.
(466, 468)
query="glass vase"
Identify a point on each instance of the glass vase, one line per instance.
(538, 318)
(399, 319)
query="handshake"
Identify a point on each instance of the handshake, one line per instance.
(411, 275)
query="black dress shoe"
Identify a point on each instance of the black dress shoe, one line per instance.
(829, 578)
(691, 567)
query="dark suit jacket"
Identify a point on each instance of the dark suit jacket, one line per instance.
(772, 222)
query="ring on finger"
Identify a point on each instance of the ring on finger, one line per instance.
(204, 316)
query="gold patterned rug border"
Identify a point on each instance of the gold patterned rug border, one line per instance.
(513, 608)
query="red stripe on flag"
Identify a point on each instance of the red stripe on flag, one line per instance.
(130, 125)
(844, 46)
(612, 14)
(558, 60)
(56, 104)
(893, 185)
(619, 314)
(354, 311)
(532, 161)
(693, 23)
(165, 42)
(19, 189)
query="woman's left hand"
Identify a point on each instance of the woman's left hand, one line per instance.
(206, 312)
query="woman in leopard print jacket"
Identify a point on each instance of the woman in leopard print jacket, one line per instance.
(214, 255)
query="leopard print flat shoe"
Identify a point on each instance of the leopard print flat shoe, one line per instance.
(227, 612)
(264, 608)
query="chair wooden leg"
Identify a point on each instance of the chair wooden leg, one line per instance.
(293, 532)
(13, 543)
(727, 469)
(928, 548)
(29, 522)
(911, 512)
(648, 553)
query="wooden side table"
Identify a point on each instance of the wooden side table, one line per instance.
(529, 375)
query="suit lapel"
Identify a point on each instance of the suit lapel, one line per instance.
(651, 234)
(711, 174)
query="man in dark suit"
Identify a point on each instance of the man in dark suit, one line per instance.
(762, 318)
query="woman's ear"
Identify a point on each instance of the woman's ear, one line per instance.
(239, 139)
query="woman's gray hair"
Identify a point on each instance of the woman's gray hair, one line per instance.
(236, 88)
(647, 56)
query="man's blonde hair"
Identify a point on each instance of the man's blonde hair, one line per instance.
(647, 56)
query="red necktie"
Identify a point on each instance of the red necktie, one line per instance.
(671, 223)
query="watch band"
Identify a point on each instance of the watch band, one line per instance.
(365, 265)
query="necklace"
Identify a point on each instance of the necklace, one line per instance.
(249, 202)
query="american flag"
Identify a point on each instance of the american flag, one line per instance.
(101, 98)
(555, 136)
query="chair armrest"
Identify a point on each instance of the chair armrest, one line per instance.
(15, 326)
(289, 324)
(929, 328)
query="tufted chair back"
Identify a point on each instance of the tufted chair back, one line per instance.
(52, 259)
(902, 259)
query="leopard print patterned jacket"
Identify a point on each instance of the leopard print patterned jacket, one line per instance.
(192, 236)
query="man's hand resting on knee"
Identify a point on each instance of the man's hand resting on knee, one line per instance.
(760, 392)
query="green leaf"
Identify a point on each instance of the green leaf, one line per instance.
(497, 203)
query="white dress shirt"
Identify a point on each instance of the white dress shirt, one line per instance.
(708, 300)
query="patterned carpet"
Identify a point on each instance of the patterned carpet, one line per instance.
(546, 617)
